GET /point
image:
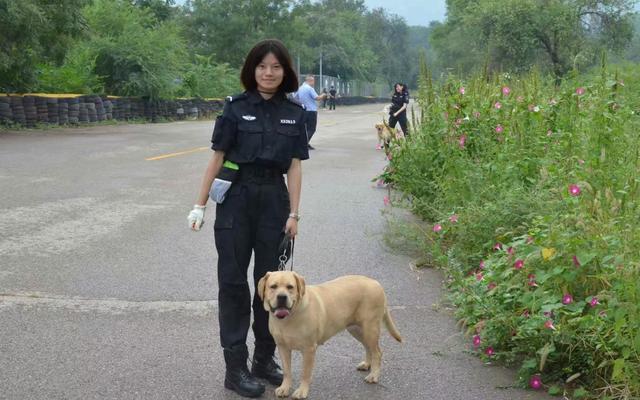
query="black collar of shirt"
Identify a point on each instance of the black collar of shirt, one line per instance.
(256, 98)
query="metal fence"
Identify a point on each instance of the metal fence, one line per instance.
(349, 88)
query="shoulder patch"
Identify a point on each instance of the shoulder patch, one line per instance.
(236, 97)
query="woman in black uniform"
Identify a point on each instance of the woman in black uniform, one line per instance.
(398, 111)
(259, 137)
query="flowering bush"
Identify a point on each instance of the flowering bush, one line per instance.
(542, 255)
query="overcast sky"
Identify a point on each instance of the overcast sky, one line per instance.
(416, 12)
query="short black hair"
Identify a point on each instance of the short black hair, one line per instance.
(255, 57)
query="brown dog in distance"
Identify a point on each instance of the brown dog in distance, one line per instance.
(302, 317)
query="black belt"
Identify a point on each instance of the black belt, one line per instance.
(259, 173)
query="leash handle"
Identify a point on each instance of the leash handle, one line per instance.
(290, 242)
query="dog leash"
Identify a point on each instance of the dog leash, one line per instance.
(287, 246)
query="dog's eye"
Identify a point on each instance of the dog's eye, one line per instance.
(273, 286)
(289, 287)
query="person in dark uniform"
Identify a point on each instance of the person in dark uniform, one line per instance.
(332, 98)
(398, 111)
(263, 134)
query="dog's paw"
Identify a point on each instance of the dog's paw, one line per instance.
(282, 391)
(301, 393)
(363, 366)
(372, 378)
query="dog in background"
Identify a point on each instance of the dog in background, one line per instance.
(385, 135)
(303, 317)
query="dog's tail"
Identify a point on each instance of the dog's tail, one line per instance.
(391, 326)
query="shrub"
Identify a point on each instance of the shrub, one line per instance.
(535, 187)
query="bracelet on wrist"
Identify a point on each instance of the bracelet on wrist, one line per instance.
(295, 216)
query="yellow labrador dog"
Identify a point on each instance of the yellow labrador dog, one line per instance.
(302, 317)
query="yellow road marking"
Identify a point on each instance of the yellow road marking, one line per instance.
(176, 154)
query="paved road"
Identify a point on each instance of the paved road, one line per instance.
(105, 293)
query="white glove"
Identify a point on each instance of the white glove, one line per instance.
(196, 217)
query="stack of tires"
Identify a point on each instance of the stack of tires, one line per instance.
(52, 111)
(6, 115)
(30, 110)
(63, 111)
(42, 110)
(74, 110)
(108, 109)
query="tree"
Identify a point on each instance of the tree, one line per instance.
(135, 54)
(34, 31)
(516, 34)
(227, 30)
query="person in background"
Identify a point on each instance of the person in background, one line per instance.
(324, 99)
(259, 137)
(307, 96)
(398, 110)
(332, 98)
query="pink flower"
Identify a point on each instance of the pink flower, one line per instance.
(437, 228)
(510, 251)
(481, 264)
(489, 351)
(525, 313)
(575, 261)
(378, 146)
(491, 285)
(497, 246)
(506, 90)
(535, 382)
(580, 91)
(549, 325)
(497, 105)
(518, 264)
(479, 276)
(453, 219)
(461, 90)
(574, 190)
(386, 200)
(594, 301)
(499, 128)
(461, 141)
(532, 280)
(476, 114)
(567, 299)
(548, 314)
(476, 340)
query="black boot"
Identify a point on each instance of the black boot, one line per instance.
(238, 377)
(264, 366)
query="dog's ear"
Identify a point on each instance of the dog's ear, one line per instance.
(262, 284)
(300, 284)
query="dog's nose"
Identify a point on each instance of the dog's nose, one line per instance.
(282, 299)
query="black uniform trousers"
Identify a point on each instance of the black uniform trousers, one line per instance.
(311, 123)
(251, 218)
(402, 118)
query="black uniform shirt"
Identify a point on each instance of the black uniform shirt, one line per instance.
(252, 130)
(398, 99)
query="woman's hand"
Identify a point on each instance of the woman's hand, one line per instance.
(292, 227)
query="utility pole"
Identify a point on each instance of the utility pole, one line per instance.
(321, 82)
(298, 67)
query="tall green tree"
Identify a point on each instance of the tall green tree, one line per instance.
(135, 54)
(227, 30)
(516, 34)
(33, 31)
